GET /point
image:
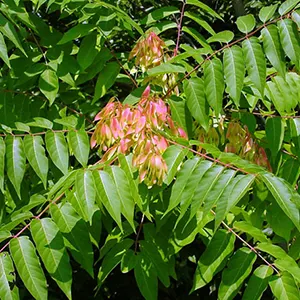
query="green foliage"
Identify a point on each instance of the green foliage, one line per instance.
(224, 223)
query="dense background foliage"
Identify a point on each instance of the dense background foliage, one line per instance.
(216, 216)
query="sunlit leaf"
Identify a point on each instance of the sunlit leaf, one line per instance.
(28, 266)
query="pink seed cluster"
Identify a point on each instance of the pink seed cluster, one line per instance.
(122, 128)
(148, 52)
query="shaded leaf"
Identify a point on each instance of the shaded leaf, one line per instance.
(48, 84)
(258, 283)
(105, 80)
(238, 269)
(146, 277)
(113, 258)
(274, 134)
(284, 196)
(214, 258)
(3, 51)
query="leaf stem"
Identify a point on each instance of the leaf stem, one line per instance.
(179, 27)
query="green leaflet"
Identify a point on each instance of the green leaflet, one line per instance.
(3, 51)
(181, 114)
(287, 6)
(204, 7)
(14, 220)
(79, 143)
(184, 185)
(166, 68)
(256, 233)
(87, 51)
(284, 195)
(284, 287)
(246, 23)
(273, 49)
(283, 261)
(290, 40)
(15, 161)
(50, 246)
(225, 36)
(85, 194)
(113, 258)
(234, 72)
(58, 150)
(76, 32)
(274, 134)
(35, 153)
(255, 63)
(146, 277)
(63, 184)
(217, 190)
(258, 283)
(195, 100)
(203, 189)
(107, 195)
(2, 162)
(173, 156)
(238, 269)
(105, 80)
(125, 164)
(214, 258)
(295, 132)
(129, 261)
(214, 83)
(200, 21)
(267, 12)
(6, 276)
(159, 14)
(123, 190)
(150, 250)
(8, 30)
(28, 267)
(75, 233)
(233, 192)
(48, 84)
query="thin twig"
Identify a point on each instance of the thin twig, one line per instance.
(179, 28)
(264, 115)
(287, 16)
(210, 158)
(136, 243)
(28, 224)
(29, 94)
(247, 244)
(39, 46)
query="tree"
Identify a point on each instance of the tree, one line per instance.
(147, 153)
